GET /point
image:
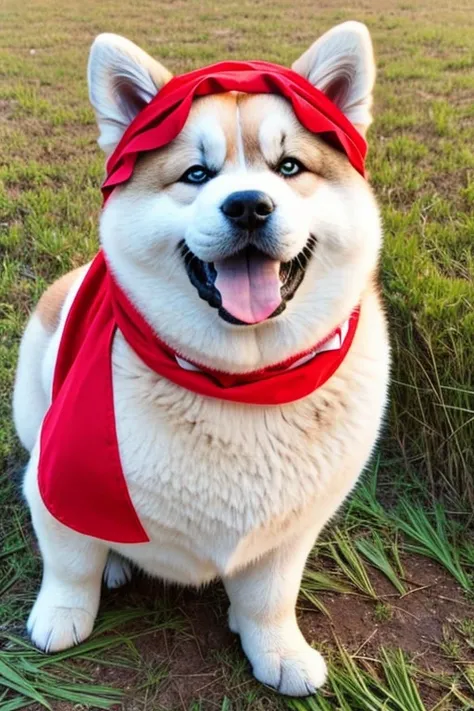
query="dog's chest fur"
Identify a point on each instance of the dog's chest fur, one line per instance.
(216, 484)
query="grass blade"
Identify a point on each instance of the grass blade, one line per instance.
(373, 550)
(12, 679)
(399, 678)
(345, 555)
(432, 541)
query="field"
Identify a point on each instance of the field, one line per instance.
(389, 590)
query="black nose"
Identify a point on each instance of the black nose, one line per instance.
(248, 209)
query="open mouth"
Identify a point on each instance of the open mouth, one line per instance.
(249, 287)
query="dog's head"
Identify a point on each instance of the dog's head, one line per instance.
(247, 238)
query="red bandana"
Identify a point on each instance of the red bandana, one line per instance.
(164, 117)
(80, 474)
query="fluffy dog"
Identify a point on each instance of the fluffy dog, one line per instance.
(224, 489)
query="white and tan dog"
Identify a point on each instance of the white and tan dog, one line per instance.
(223, 489)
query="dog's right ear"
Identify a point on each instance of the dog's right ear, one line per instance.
(122, 79)
(341, 63)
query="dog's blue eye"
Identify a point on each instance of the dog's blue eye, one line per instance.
(196, 175)
(290, 167)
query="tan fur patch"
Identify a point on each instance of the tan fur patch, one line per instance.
(50, 305)
(162, 169)
(243, 114)
(319, 158)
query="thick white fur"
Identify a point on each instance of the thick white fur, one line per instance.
(223, 490)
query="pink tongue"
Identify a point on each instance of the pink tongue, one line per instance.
(249, 285)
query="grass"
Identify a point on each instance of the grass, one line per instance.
(374, 550)
(33, 677)
(384, 685)
(345, 555)
(432, 538)
(388, 592)
(33, 684)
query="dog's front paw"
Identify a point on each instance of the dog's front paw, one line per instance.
(117, 572)
(294, 672)
(54, 628)
(233, 621)
(281, 658)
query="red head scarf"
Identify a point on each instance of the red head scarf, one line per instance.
(164, 117)
(80, 475)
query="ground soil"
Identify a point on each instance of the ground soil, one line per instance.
(201, 664)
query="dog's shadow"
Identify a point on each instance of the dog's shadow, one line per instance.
(181, 630)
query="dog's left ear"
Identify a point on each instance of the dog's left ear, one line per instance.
(122, 80)
(341, 63)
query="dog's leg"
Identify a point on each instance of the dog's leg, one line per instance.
(263, 598)
(65, 609)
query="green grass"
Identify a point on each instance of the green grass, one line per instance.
(386, 684)
(414, 508)
(375, 551)
(434, 538)
(346, 557)
(28, 676)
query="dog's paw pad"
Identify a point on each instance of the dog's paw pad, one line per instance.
(117, 572)
(53, 629)
(294, 673)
